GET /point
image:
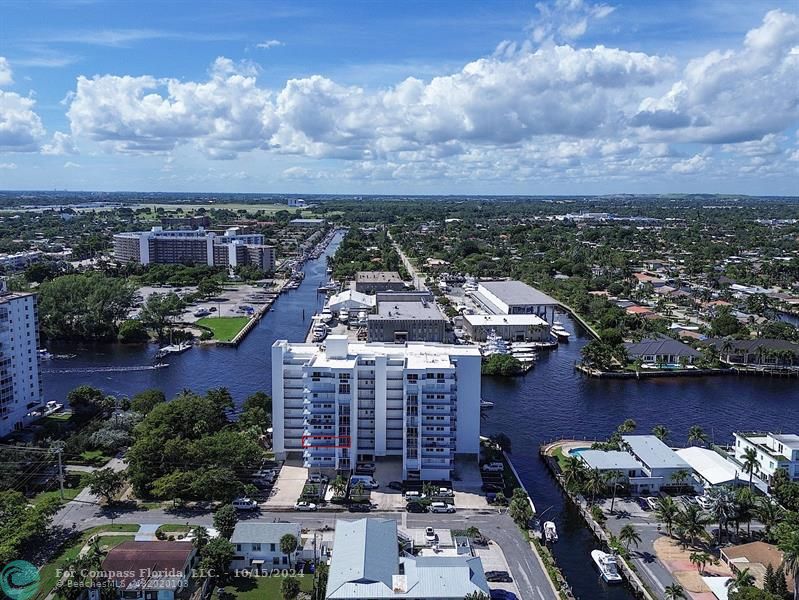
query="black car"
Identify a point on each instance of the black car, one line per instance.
(359, 507)
(395, 485)
(492, 487)
(416, 507)
(643, 504)
(498, 577)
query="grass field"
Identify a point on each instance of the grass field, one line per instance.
(259, 588)
(73, 484)
(174, 528)
(224, 328)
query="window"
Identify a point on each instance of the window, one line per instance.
(238, 547)
(256, 547)
(271, 547)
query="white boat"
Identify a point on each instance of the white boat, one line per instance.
(172, 349)
(44, 354)
(486, 404)
(344, 315)
(326, 315)
(607, 565)
(494, 344)
(202, 312)
(559, 332)
(550, 532)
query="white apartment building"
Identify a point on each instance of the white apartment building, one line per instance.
(774, 451)
(344, 402)
(20, 385)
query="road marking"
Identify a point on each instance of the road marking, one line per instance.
(540, 593)
(651, 574)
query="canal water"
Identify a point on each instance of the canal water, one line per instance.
(551, 401)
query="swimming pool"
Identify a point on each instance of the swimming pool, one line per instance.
(578, 451)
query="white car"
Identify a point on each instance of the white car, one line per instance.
(494, 467)
(652, 502)
(244, 504)
(441, 507)
(430, 534)
(704, 502)
(318, 478)
(444, 493)
(305, 506)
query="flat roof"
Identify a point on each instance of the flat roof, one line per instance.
(610, 460)
(711, 466)
(422, 311)
(496, 320)
(654, 453)
(789, 440)
(517, 292)
(378, 277)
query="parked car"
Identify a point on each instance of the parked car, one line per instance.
(413, 495)
(441, 507)
(366, 467)
(430, 534)
(503, 595)
(444, 493)
(494, 467)
(416, 507)
(642, 503)
(652, 502)
(317, 478)
(492, 487)
(359, 507)
(498, 577)
(704, 502)
(305, 506)
(367, 480)
(244, 504)
(395, 485)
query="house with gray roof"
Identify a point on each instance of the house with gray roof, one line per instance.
(763, 352)
(257, 546)
(663, 467)
(662, 350)
(367, 565)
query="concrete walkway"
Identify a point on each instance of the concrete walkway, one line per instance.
(146, 532)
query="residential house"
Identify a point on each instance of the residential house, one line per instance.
(151, 570)
(763, 352)
(257, 546)
(662, 466)
(367, 564)
(712, 469)
(662, 350)
(755, 556)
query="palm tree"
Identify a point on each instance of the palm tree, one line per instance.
(288, 545)
(742, 579)
(722, 507)
(697, 434)
(750, 463)
(628, 426)
(768, 511)
(790, 559)
(744, 508)
(201, 538)
(692, 524)
(661, 432)
(628, 535)
(667, 511)
(573, 470)
(339, 485)
(593, 484)
(611, 478)
(699, 559)
(680, 476)
(674, 591)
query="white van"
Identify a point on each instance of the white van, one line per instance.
(368, 482)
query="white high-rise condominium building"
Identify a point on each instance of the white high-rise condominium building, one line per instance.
(343, 402)
(20, 386)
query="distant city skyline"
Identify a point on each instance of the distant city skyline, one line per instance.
(551, 98)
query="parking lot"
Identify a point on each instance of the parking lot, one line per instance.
(288, 487)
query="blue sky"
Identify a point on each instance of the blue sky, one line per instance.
(566, 96)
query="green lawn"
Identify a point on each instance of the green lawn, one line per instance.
(174, 528)
(261, 588)
(94, 458)
(60, 416)
(224, 328)
(73, 484)
(559, 456)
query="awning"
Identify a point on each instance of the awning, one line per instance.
(257, 562)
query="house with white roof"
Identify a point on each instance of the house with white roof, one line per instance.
(663, 467)
(367, 565)
(712, 469)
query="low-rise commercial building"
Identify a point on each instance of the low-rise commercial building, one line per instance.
(371, 282)
(514, 298)
(367, 564)
(19, 260)
(517, 328)
(231, 249)
(712, 469)
(307, 223)
(400, 322)
(345, 402)
(774, 451)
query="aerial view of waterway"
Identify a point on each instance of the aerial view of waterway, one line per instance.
(551, 401)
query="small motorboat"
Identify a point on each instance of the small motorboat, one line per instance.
(550, 532)
(559, 332)
(607, 565)
(486, 404)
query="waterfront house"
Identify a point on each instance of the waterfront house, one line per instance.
(627, 468)
(257, 546)
(763, 352)
(774, 451)
(662, 466)
(662, 350)
(755, 556)
(712, 469)
(367, 564)
(151, 570)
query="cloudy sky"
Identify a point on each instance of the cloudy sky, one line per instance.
(450, 96)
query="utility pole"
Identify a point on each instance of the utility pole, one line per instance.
(58, 448)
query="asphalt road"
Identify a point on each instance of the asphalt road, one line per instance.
(524, 566)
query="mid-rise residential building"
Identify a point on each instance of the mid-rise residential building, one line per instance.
(231, 249)
(774, 451)
(20, 383)
(371, 282)
(368, 564)
(191, 222)
(343, 402)
(257, 546)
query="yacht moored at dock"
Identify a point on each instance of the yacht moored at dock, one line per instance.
(550, 532)
(607, 565)
(559, 331)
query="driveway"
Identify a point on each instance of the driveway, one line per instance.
(288, 487)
